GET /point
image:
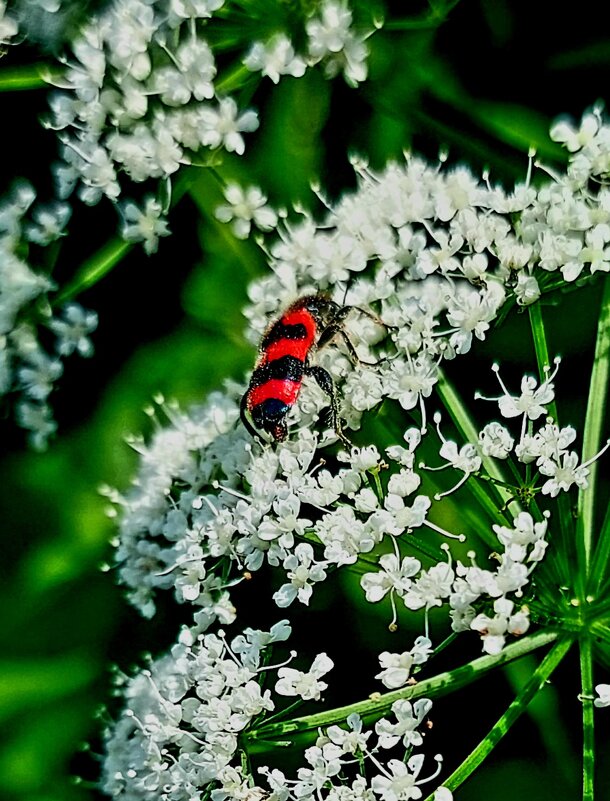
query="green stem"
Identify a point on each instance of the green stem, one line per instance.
(540, 346)
(588, 746)
(111, 253)
(565, 511)
(601, 557)
(94, 269)
(28, 76)
(373, 708)
(515, 710)
(234, 79)
(596, 403)
(469, 433)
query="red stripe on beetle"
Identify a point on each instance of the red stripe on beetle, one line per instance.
(299, 348)
(302, 317)
(278, 389)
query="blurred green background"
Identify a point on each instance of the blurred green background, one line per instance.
(483, 83)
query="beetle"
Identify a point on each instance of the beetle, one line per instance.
(284, 360)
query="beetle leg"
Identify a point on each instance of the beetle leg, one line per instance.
(334, 329)
(326, 384)
(243, 408)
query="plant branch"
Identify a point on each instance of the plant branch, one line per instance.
(596, 404)
(586, 699)
(378, 704)
(515, 710)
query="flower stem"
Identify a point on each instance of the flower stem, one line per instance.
(111, 253)
(588, 745)
(514, 711)
(596, 403)
(563, 502)
(94, 269)
(28, 76)
(234, 79)
(373, 708)
(467, 429)
(601, 557)
(540, 346)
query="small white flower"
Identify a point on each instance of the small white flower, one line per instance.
(395, 576)
(432, 586)
(493, 630)
(306, 685)
(302, 572)
(397, 667)
(524, 534)
(527, 290)
(246, 207)
(533, 400)
(409, 718)
(329, 32)
(8, 25)
(49, 223)
(144, 224)
(400, 784)
(603, 692)
(181, 10)
(574, 139)
(495, 440)
(563, 473)
(38, 419)
(72, 331)
(352, 740)
(275, 58)
(38, 375)
(223, 126)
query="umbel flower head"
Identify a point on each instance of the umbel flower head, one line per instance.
(28, 372)
(429, 258)
(145, 91)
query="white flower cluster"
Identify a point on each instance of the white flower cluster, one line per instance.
(26, 367)
(46, 22)
(205, 494)
(436, 254)
(185, 725)
(463, 587)
(145, 93)
(141, 93)
(326, 776)
(179, 730)
(8, 25)
(547, 448)
(209, 503)
(218, 496)
(330, 38)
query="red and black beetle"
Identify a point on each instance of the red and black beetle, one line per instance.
(284, 359)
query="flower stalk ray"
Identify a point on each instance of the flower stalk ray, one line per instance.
(539, 678)
(438, 685)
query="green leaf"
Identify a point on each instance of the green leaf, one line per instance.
(594, 420)
(32, 683)
(518, 126)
